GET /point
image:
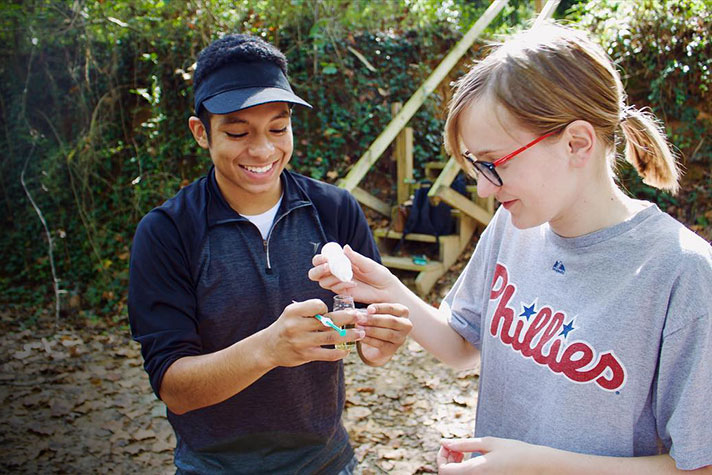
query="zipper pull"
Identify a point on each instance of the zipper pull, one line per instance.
(268, 266)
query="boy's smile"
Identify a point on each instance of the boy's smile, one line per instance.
(258, 170)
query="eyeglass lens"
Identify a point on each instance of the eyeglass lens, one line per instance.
(487, 170)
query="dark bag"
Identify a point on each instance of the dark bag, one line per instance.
(425, 218)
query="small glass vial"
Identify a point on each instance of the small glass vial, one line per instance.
(344, 302)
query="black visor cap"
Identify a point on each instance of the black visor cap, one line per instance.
(237, 86)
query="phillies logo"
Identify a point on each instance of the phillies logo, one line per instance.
(573, 360)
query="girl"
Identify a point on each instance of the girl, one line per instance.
(589, 311)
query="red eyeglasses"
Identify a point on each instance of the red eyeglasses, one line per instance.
(487, 169)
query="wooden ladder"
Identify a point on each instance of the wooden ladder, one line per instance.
(449, 246)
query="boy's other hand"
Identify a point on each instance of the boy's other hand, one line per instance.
(387, 326)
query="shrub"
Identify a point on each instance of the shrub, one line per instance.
(664, 50)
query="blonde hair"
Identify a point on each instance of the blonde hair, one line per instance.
(550, 76)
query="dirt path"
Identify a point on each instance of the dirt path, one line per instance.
(79, 402)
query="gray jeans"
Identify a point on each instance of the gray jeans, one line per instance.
(350, 468)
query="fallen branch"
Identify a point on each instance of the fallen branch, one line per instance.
(55, 280)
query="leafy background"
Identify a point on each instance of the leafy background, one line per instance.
(96, 97)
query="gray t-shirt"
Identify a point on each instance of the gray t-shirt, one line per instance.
(598, 344)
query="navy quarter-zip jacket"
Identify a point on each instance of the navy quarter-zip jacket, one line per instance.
(202, 278)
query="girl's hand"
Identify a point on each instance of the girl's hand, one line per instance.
(448, 456)
(372, 282)
(498, 456)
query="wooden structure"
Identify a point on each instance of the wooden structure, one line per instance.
(469, 212)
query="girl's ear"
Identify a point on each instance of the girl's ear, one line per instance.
(580, 139)
(198, 130)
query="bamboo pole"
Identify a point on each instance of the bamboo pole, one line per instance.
(374, 152)
(546, 12)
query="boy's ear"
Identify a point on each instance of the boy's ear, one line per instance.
(198, 130)
(580, 141)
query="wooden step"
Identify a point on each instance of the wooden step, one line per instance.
(385, 233)
(435, 165)
(390, 234)
(406, 263)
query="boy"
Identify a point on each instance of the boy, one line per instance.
(219, 296)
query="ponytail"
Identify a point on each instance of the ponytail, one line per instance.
(647, 149)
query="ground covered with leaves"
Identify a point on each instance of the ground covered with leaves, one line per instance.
(78, 401)
(75, 399)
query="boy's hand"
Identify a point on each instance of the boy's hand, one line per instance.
(387, 326)
(297, 337)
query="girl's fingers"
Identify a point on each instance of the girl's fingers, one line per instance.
(476, 444)
(362, 262)
(318, 259)
(319, 271)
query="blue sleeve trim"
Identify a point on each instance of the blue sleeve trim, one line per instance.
(465, 329)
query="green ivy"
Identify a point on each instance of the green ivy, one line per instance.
(97, 95)
(664, 50)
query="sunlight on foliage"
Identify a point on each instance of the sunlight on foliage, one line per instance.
(101, 91)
